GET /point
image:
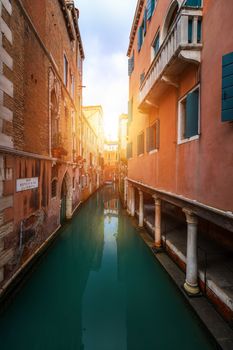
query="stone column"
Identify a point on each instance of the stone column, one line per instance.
(141, 209)
(125, 191)
(128, 204)
(191, 281)
(69, 206)
(158, 236)
(132, 213)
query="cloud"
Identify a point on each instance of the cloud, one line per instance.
(105, 27)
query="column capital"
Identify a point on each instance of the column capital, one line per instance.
(140, 191)
(191, 218)
(157, 199)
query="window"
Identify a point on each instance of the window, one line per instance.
(140, 143)
(72, 85)
(142, 77)
(188, 114)
(131, 64)
(155, 45)
(150, 8)
(227, 87)
(129, 150)
(130, 111)
(54, 188)
(152, 137)
(140, 37)
(65, 71)
(193, 3)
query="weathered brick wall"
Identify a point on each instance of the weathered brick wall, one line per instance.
(28, 54)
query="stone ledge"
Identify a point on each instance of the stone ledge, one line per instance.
(5, 257)
(6, 202)
(7, 5)
(6, 30)
(6, 229)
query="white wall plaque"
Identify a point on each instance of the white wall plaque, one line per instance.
(26, 184)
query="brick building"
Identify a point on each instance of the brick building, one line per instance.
(40, 125)
(122, 150)
(93, 116)
(180, 137)
(110, 161)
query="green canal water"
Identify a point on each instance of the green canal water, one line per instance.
(98, 287)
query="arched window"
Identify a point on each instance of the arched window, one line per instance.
(170, 18)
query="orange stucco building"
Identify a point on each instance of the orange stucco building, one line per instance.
(180, 138)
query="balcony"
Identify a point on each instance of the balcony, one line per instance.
(181, 47)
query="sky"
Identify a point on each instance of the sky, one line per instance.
(105, 27)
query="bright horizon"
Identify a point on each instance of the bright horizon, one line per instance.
(105, 29)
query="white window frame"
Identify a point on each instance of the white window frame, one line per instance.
(180, 139)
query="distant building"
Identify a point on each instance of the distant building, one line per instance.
(122, 150)
(110, 161)
(40, 124)
(94, 116)
(180, 117)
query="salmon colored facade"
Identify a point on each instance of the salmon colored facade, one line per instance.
(180, 135)
(200, 169)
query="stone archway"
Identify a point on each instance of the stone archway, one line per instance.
(66, 198)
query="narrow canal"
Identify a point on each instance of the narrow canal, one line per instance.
(99, 288)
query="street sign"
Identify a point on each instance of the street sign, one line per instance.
(26, 184)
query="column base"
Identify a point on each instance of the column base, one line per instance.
(191, 291)
(157, 249)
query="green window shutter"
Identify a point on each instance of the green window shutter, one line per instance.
(157, 134)
(190, 30)
(149, 7)
(199, 30)
(140, 37)
(156, 44)
(227, 87)
(192, 111)
(145, 20)
(193, 3)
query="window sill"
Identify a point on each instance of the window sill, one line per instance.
(196, 137)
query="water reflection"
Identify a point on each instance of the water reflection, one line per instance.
(99, 288)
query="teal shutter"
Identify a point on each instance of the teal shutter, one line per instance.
(227, 87)
(190, 30)
(194, 3)
(150, 7)
(192, 109)
(199, 30)
(140, 34)
(156, 45)
(149, 12)
(145, 20)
